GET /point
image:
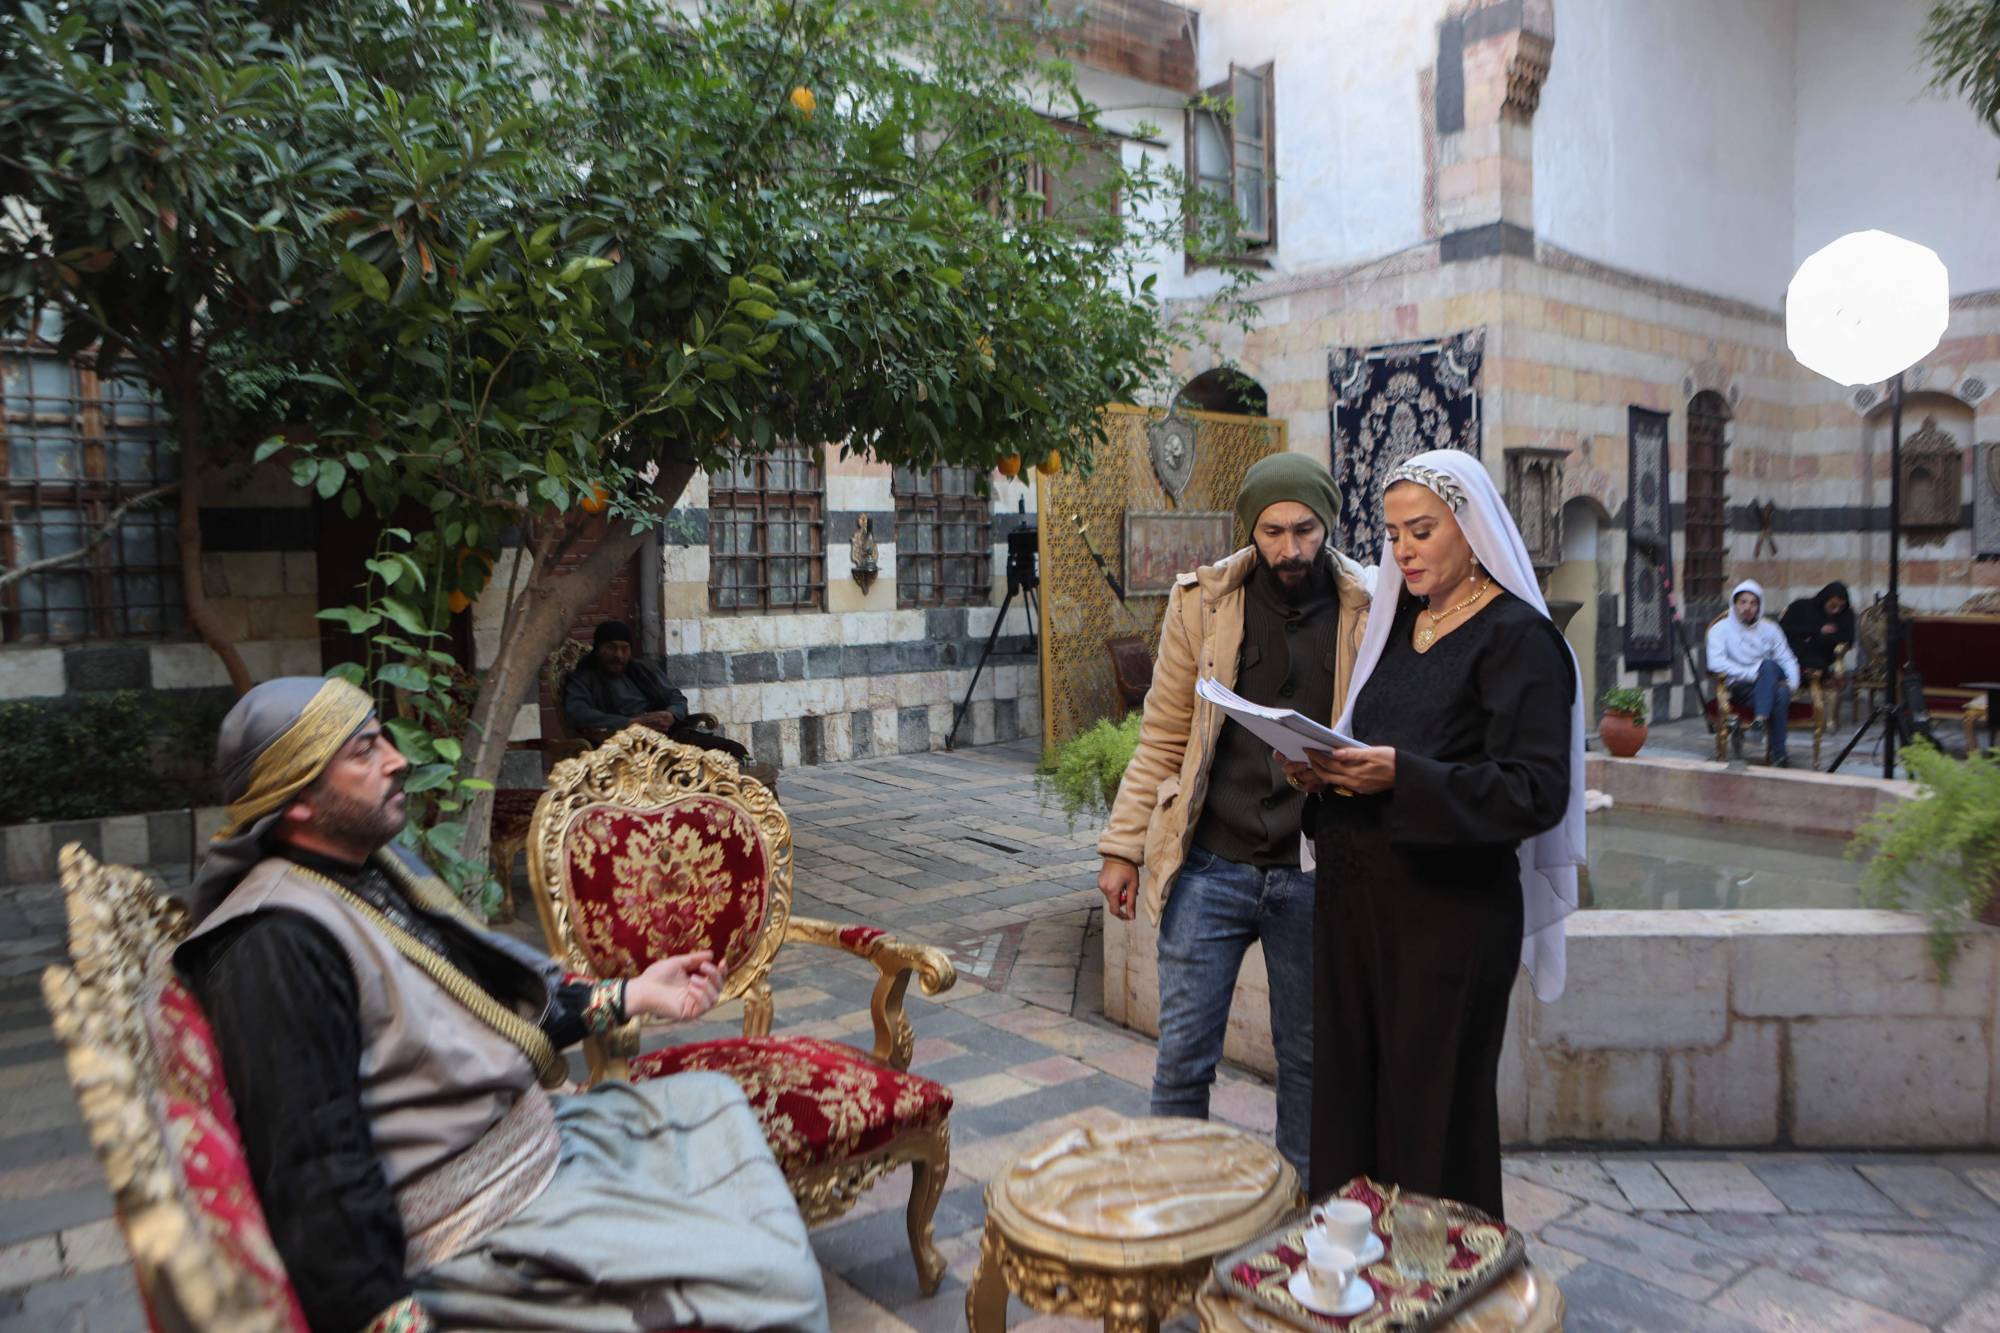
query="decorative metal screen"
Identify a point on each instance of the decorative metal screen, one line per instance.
(1707, 501)
(72, 449)
(766, 533)
(944, 538)
(1079, 611)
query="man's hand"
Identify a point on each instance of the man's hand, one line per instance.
(1299, 775)
(682, 988)
(660, 719)
(1363, 770)
(1119, 883)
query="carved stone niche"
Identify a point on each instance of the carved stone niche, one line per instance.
(1931, 493)
(1534, 495)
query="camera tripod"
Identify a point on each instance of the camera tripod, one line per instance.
(1023, 578)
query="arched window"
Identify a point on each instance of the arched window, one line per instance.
(1227, 391)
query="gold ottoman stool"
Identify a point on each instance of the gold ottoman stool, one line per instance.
(1522, 1302)
(1124, 1221)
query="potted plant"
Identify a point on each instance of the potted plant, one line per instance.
(1939, 852)
(1622, 728)
(1082, 774)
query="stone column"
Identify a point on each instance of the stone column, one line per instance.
(1493, 56)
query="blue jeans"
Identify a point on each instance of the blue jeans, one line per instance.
(1770, 698)
(1215, 911)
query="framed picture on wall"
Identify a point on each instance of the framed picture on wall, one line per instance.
(1162, 545)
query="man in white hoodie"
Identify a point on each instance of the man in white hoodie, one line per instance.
(1752, 655)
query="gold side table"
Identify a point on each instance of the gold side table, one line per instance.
(1522, 1302)
(1123, 1222)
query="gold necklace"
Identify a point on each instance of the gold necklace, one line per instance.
(1428, 634)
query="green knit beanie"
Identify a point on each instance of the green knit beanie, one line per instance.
(1282, 477)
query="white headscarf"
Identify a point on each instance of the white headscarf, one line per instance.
(1549, 861)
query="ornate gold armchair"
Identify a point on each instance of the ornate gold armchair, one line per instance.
(149, 1081)
(643, 848)
(1818, 688)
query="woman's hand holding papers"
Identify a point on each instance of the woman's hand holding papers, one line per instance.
(1364, 770)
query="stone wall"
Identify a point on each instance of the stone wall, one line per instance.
(863, 676)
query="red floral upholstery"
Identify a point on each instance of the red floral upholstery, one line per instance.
(856, 939)
(648, 884)
(819, 1101)
(199, 1124)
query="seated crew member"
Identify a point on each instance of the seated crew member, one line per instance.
(387, 1058)
(611, 689)
(1750, 654)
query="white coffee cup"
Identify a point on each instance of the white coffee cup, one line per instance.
(1346, 1223)
(1330, 1268)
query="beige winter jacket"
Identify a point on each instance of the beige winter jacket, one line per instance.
(1160, 797)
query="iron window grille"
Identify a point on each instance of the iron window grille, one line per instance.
(944, 538)
(73, 447)
(767, 533)
(1707, 521)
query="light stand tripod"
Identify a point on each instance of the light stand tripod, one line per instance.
(1890, 713)
(1023, 577)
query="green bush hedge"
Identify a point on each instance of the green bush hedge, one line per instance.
(119, 752)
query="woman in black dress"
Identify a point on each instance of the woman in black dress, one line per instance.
(1450, 855)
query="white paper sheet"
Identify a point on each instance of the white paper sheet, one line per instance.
(1286, 730)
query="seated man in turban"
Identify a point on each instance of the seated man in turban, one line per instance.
(388, 1060)
(612, 688)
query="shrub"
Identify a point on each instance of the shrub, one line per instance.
(1627, 700)
(1083, 773)
(118, 752)
(1938, 853)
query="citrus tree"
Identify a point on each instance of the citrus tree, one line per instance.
(527, 279)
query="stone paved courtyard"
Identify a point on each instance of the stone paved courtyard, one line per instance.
(956, 850)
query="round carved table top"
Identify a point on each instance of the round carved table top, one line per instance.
(1143, 1193)
(1522, 1302)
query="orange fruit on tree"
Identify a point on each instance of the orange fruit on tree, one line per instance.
(1051, 465)
(803, 99)
(1010, 466)
(594, 502)
(458, 602)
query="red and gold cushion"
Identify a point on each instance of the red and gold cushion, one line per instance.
(819, 1101)
(857, 939)
(199, 1126)
(648, 884)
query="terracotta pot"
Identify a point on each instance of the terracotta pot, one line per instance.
(1621, 733)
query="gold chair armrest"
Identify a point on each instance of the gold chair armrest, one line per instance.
(609, 1052)
(897, 961)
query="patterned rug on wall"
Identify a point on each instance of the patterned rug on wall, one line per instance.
(1649, 539)
(1390, 402)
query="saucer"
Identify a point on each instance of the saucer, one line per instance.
(1358, 1296)
(1371, 1251)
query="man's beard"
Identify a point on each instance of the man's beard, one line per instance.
(356, 822)
(1292, 578)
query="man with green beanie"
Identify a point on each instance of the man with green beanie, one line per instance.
(1205, 807)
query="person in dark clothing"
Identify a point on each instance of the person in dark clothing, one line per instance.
(1449, 854)
(611, 689)
(1818, 626)
(1205, 807)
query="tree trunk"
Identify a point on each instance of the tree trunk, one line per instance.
(194, 592)
(549, 603)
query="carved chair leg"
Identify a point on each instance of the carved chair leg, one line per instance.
(927, 1181)
(986, 1298)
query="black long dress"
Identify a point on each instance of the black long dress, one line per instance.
(1419, 904)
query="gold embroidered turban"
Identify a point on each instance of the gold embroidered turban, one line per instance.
(275, 759)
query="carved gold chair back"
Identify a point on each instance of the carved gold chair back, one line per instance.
(149, 1082)
(644, 848)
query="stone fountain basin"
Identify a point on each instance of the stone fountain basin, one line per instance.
(1775, 1028)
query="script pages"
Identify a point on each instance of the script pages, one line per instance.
(1286, 730)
